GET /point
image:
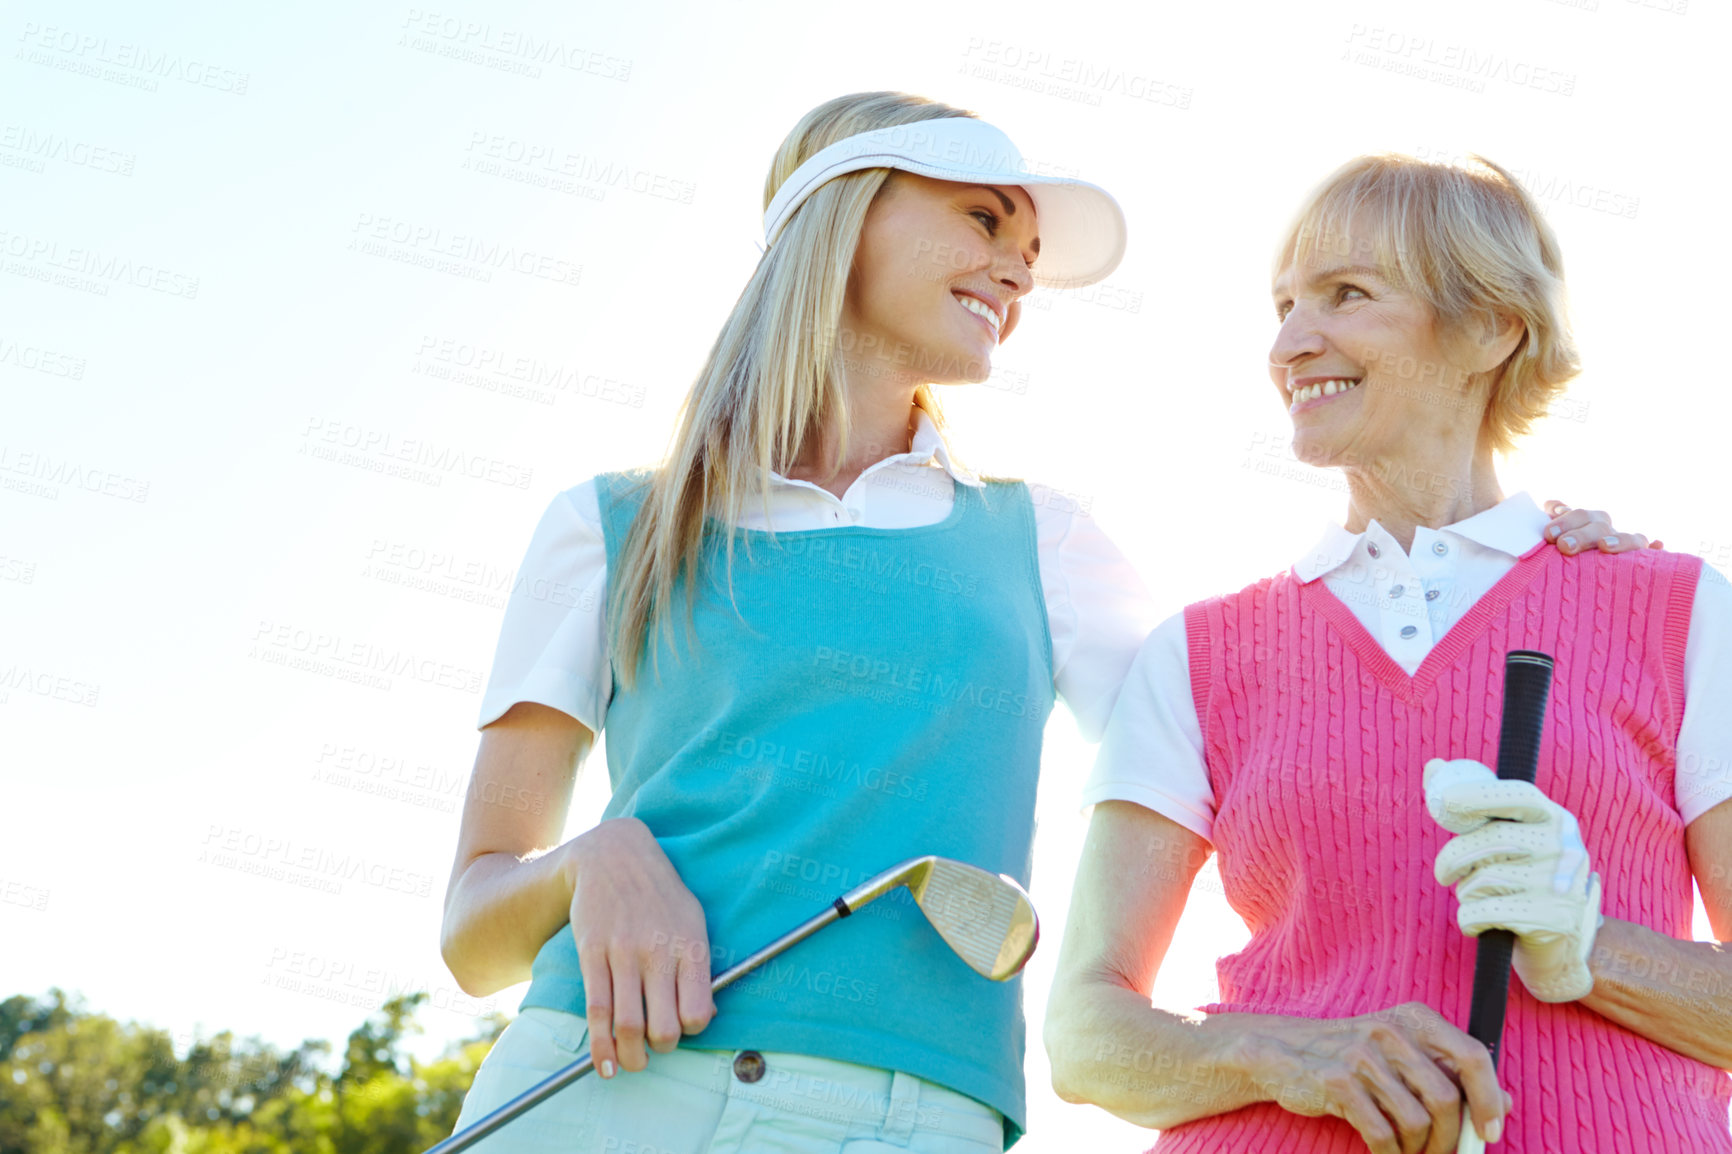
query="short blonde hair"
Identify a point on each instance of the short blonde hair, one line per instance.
(1470, 241)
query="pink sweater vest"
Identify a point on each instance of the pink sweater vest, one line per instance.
(1315, 741)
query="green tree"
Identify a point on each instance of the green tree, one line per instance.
(74, 1082)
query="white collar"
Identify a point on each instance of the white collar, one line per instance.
(925, 448)
(1513, 526)
(928, 447)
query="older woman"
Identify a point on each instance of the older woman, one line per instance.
(1299, 728)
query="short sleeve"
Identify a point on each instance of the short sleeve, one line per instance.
(552, 645)
(1097, 607)
(1152, 753)
(1704, 777)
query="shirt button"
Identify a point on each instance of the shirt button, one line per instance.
(1372, 549)
(1439, 548)
(1431, 595)
(1408, 632)
(854, 514)
(748, 1066)
(1397, 590)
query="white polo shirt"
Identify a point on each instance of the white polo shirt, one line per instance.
(1152, 753)
(552, 646)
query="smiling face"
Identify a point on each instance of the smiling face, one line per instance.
(938, 278)
(1365, 367)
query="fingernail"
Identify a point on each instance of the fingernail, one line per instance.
(1494, 1130)
(1554, 530)
(1570, 541)
(1611, 540)
(606, 1068)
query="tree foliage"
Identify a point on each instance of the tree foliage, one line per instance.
(76, 1082)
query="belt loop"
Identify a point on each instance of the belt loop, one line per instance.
(901, 1111)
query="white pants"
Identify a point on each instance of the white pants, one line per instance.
(716, 1102)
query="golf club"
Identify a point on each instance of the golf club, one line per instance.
(985, 918)
(1526, 684)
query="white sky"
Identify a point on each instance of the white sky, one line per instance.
(160, 523)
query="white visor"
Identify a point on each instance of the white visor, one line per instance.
(1082, 230)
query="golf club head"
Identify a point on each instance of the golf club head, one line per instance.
(986, 918)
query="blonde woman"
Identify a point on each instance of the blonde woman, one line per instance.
(1326, 731)
(859, 672)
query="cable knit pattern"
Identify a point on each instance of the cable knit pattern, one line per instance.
(1316, 740)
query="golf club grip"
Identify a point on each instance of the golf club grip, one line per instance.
(1527, 684)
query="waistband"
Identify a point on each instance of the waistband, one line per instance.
(887, 1103)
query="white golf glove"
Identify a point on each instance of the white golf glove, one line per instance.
(1527, 874)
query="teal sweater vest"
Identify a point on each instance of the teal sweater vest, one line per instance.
(878, 694)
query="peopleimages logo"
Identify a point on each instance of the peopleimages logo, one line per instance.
(52, 471)
(547, 165)
(43, 683)
(525, 51)
(497, 369)
(40, 147)
(104, 269)
(40, 360)
(887, 566)
(276, 643)
(314, 867)
(916, 682)
(826, 767)
(413, 451)
(1453, 65)
(1068, 77)
(433, 247)
(87, 53)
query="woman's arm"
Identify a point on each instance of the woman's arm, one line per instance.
(641, 938)
(1107, 1045)
(511, 884)
(1674, 992)
(1386, 1074)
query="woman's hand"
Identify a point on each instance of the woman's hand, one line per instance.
(642, 945)
(1397, 1076)
(1527, 873)
(1575, 530)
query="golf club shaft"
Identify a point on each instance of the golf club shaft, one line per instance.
(554, 1083)
(1527, 682)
